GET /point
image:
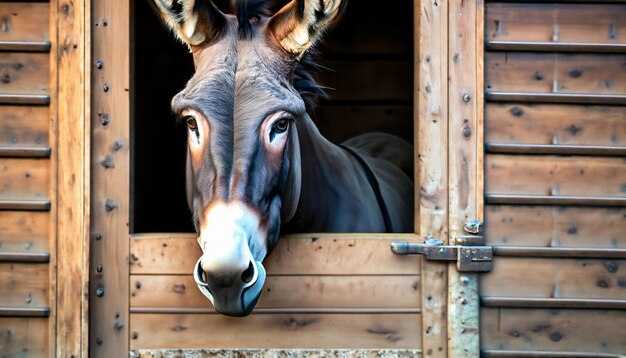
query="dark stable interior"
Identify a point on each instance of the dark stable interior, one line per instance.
(367, 64)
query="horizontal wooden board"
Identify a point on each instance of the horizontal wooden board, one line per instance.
(555, 124)
(566, 330)
(286, 292)
(540, 175)
(21, 21)
(555, 73)
(562, 278)
(24, 285)
(23, 126)
(575, 23)
(24, 178)
(546, 226)
(338, 123)
(310, 254)
(368, 80)
(24, 73)
(150, 331)
(24, 337)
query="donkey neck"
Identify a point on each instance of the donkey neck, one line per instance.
(335, 193)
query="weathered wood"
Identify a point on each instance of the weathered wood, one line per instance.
(568, 278)
(24, 21)
(22, 231)
(555, 73)
(307, 254)
(275, 331)
(553, 175)
(555, 124)
(24, 73)
(24, 285)
(24, 126)
(586, 23)
(431, 151)
(24, 179)
(286, 291)
(24, 336)
(555, 226)
(564, 330)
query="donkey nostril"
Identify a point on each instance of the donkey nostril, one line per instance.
(248, 274)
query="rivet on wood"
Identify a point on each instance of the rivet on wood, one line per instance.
(467, 97)
(612, 32)
(107, 162)
(465, 280)
(105, 22)
(110, 205)
(99, 64)
(104, 118)
(464, 301)
(135, 335)
(97, 236)
(29, 298)
(105, 87)
(28, 245)
(100, 291)
(99, 268)
(117, 145)
(99, 341)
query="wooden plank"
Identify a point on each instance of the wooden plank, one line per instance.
(555, 73)
(24, 126)
(306, 254)
(568, 278)
(27, 73)
(24, 285)
(286, 292)
(431, 152)
(553, 175)
(24, 337)
(275, 331)
(22, 231)
(577, 23)
(564, 330)
(555, 226)
(24, 21)
(27, 179)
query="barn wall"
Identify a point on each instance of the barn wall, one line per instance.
(555, 132)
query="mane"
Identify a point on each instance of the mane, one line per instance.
(303, 80)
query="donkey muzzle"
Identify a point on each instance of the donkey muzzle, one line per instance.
(236, 300)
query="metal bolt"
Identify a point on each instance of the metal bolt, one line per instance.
(97, 236)
(465, 280)
(104, 118)
(110, 205)
(99, 341)
(105, 88)
(467, 97)
(28, 245)
(464, 301)
(100, 291)
(99, 268)
(99, 64)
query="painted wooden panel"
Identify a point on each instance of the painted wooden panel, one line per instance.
(24, 337)
(546, 226)
(24, 285)
(541, 175)
(555, 124)
(24, 73)
(275, 331)
(23, 231)
(286, 292)
(590, 23)
(24, 21)
(559, 73)
(23, 126)
(24, 178)
(565, 330)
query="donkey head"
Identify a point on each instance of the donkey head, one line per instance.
(241, 108)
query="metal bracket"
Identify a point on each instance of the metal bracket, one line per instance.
(468, 258)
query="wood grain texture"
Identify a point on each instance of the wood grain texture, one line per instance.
(555, 226)
(22, 126)
(25, 337)
(24, 178)
(307, 254)
(577, 23)
(275, 331)
(555, 124)
(563, 278)
(22, 231)
(24, 73)
(564, 330)
(24, 21)
(555, 73)
(286, 292)
(24, 285)
(545, 175)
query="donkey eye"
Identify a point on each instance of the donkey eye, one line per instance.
(281, 125)
(191, 123)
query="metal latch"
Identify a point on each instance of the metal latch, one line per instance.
(468, 258)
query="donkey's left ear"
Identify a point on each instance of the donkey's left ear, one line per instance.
(194, 21)
(300, 23)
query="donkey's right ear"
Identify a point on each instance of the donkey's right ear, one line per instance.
(193, 21)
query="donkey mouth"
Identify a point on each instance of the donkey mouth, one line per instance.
(236, 301)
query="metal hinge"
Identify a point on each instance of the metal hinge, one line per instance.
(474, 258)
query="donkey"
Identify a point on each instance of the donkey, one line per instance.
(256, 162)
